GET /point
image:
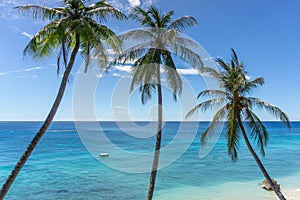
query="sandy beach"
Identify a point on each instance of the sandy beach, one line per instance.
(249, 190)
(292, 194)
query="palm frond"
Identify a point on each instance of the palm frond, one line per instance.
(146, 92)
(204, 106)
(223, 64)
(166, 18)
(103, 11)
(183, 23)
(258, 131)
(157, 17)
(215, 93)
(250, 85)
(273, 110)
(211, 72)
(131, 53)
(142, 35)
(218, 117)
(186, 54)
(173, 78)
(144, 76)
(41, 12)
(232, 132)
(45, 41)
(234, 58)
(64, 50)
(140, 15)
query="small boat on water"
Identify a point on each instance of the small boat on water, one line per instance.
(103, 154)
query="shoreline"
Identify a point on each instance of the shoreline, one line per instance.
(234, 190)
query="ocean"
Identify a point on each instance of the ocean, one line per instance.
(67, 165)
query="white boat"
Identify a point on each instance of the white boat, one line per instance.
(104, 154)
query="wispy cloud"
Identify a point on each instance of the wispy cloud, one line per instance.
(25, 76)
(121, 107)
(148, 3)
(127, 69)
(209, 58)
(248, 77)
(123, 68)
(133, 3)
(6, 7)
(22, 70)
(188, 71)
(33, 69)
(127, 4)
(117, 4)
(27, 34)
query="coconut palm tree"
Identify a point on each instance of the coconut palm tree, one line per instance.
(72, 27)
(160, 40)
(237, 109)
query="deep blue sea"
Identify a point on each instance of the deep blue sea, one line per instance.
(61, 167)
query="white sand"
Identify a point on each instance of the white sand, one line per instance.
(249, 190)
(292, 194)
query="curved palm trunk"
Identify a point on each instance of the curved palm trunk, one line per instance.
(259, 163)
(14, 173)
(158, 139)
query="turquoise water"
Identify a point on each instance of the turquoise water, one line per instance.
(62, 168)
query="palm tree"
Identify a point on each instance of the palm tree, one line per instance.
(160, 39)
(237, 110)
(72, 27)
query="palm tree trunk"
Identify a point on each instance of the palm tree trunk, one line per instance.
(14, 173)
(259, 163)
(158, 139)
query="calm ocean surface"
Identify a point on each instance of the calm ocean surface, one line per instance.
(62, 168)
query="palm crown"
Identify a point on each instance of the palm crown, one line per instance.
(236, 105)
(159, 40)
(75, 19)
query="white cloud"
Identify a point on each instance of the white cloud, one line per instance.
(148, 3)
(133, 3)
(7, 12)
(120, 107)
(188, 71)
(209, 59)
(117, 4)
(180, 71)
(27, 35)
(33, 69)
(110, 51)
(99, 75)
(127, 4)
(123, 68)
(22, 70)
(116, 74)
(3, 73)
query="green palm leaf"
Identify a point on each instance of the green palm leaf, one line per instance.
(273, 110)
(173, 78)
(183, 23)
(257, 129)
(217, 120)
(41, 12)
(205, 105)
(216, 93)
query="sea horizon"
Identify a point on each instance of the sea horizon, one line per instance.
(206, 121)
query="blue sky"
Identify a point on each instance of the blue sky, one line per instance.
(265, 34)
